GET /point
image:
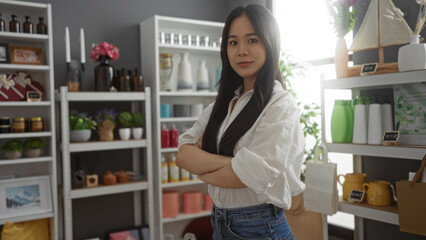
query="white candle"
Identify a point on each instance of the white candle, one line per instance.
(67, 46)
(82, 46)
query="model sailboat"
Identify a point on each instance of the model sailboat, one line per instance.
(378, 31)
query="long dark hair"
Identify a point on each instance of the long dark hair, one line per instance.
(267, 30)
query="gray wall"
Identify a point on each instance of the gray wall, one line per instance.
(389, 169)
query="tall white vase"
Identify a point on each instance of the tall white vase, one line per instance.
(412, 56)
(185, 73)
(202, 77)
(375, 128)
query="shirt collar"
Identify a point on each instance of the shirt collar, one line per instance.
(277, 87)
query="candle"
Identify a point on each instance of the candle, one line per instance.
(67, 46)
(82, 46)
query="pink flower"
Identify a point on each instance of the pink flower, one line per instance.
(106, 49)
(352, 2)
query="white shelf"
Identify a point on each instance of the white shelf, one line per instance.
(24, 104)
(27, 218)
(107, 190)
(387, 214)
(190, 48)
(183, 216)
(414, 153)
(25, 135)
(178, 119)
(168, 150)
(105, 96)
(380, 80)
(181, 184)
(188, 94)
(40, 68)
(107, 145)
(24, 37)
(25, 160)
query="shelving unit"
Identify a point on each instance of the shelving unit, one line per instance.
(140, 163)
(151, 47)
(388, 214)
(43, 74)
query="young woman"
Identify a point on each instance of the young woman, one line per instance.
(248, 145)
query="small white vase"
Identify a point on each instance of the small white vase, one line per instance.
(375, 128)
(80, 135)
(185, 74)
(36, 152)
(360, 124)
(202, 77)
(412, 56)
(137, 133)
(124, 133)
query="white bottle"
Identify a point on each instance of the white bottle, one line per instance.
(202, 77)
(185, 73)
(360, 122)
(375, 128)
(387, 122)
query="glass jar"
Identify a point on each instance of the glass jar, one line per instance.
(19, 125)
(166, 67)
(41, 26)
(137, 80)
(28, 25)
(5, 125)
(2, 24)
(14, 24)
(36, 124)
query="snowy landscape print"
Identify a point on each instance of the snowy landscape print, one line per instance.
(22, 197)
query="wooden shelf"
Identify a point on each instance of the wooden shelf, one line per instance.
(387, 214)
(107, 190)
(183, 216)
(405, 152)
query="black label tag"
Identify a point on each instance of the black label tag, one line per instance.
(368, 68)
(390, 138)
(356, 196)
(33, 96)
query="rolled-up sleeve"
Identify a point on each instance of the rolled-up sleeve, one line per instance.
(270, 165)
(192, 135)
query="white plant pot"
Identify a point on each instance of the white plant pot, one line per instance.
(137, 133)
(124, 133)
(80, 135)
(36, 152)
(12, 155)
(412, 56)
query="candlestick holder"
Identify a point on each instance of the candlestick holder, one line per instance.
(74, 75)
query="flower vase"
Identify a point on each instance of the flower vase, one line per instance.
(104, 74)
(412, 56)
(203, 77)
(341, 58)
(105, 130)
(185, 74)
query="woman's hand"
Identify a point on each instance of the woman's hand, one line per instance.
(199, 144)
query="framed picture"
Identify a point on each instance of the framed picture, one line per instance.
(4, 53)
(26, 55)
(25, 196)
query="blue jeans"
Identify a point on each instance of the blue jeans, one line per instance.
(264, 221)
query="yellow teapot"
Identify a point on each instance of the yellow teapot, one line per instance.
(352, 181)
(379, 193)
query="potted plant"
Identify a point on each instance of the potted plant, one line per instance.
(34, 147)
(125, 122)
(81, 127)
(138, 121)
(105, 120)
(13, 149)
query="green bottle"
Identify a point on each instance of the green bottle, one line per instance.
(342, 121)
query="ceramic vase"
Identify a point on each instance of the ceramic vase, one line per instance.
(185, 74)
(202, 77)
(104, 74)
(412, 56)
(80, 135)
(35, 152)
(124, 133)
(341, 58)
(375, 128)
(109, 179)
(13, 155)
(137, 133)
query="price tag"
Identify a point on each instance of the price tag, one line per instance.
(33, 96)
(368, 69)
(356, 196)
(390, 138)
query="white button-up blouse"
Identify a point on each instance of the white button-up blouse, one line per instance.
(267, 158)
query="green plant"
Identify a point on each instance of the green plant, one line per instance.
(33, 143)
(13, 146)
(309, 112)
(105, 114)
(342, 16)
(80, 121)
(138, 119)
(125, 119)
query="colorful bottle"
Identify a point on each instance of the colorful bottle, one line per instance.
(165, 137)
(174, 136)
(28, 25)
(173, 170)
(164, 170)
(342, 121)
(41, 26)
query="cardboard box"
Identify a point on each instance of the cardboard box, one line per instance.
(410, 113)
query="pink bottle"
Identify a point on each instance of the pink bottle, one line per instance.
(165, 137)
(174, 136)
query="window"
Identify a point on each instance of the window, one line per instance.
(307, 37)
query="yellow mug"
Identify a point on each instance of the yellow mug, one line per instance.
(379, 192)
(352, 181)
